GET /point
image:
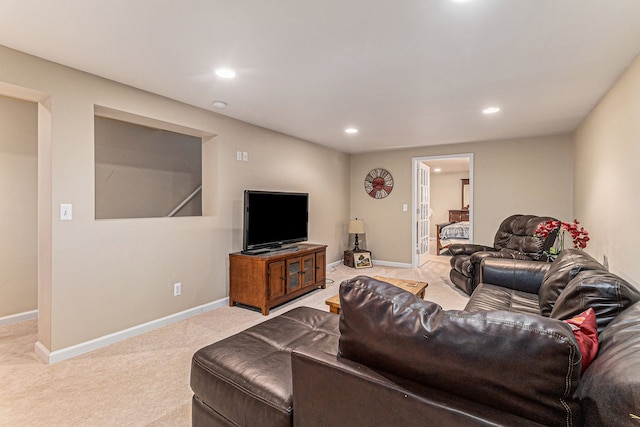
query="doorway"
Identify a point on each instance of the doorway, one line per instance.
(438, 188)
(19, 221)
(44, 214)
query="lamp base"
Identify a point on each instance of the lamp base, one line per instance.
(356, 248)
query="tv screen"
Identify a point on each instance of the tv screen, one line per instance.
(273, 219)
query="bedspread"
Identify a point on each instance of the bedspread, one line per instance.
(457, 230)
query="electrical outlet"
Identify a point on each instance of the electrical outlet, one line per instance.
(177, 289)
(239, 155)
(245, 156)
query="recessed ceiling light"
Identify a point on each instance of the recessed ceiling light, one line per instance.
(219, 104)
(490, 110)
(351, 130)
(225, 73)
(437, 170)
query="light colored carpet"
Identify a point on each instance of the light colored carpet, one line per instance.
(144, 381)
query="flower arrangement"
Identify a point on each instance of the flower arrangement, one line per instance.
(578, 234)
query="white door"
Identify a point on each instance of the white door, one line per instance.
(423, 213)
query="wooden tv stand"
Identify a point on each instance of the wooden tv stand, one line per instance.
(270, 279)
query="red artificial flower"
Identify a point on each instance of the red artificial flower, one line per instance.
(578, 234)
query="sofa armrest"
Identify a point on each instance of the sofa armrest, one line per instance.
(468, 248)
(521, 275)
(329, 390)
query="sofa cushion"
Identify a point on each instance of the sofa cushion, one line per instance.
(609, 390)
(585, 329)
(489, 297)
(605, 292)
(566, 266)
(523, 364)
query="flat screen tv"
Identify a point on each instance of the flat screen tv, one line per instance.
(273, 219)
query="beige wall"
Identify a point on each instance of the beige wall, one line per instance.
(18, 216)
(529, 176)
(100, 277)
(606, 176)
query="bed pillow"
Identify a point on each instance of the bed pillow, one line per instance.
(527, 365)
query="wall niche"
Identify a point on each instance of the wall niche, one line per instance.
(144, 169)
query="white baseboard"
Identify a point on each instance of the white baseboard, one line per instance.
(41, 351)
(334, 264)
(377, 262)
(391, 264)
(76, 350)
(20, 317)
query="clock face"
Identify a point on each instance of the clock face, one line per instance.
(378, 183)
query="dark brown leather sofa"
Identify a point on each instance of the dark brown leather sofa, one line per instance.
(514, 239)
(393, 359)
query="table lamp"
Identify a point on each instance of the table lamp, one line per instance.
(356, 226)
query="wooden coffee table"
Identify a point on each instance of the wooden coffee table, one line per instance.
(416, 288)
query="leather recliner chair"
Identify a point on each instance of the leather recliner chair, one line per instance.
(515, 239)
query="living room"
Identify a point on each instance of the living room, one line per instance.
(94, 282)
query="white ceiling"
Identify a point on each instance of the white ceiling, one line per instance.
(405, 72)
(448, 165)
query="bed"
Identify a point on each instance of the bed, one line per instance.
(449, 233)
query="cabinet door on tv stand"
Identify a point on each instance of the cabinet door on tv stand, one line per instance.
(277, 279)
(308, 270)
(293, 274)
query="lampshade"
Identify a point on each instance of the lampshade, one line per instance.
(356, 226)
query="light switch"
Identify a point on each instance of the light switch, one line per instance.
(405, 207)
(245, 156)
(65, 212)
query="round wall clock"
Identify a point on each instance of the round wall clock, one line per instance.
(378, 183)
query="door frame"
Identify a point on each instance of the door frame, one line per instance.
(414, 195)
